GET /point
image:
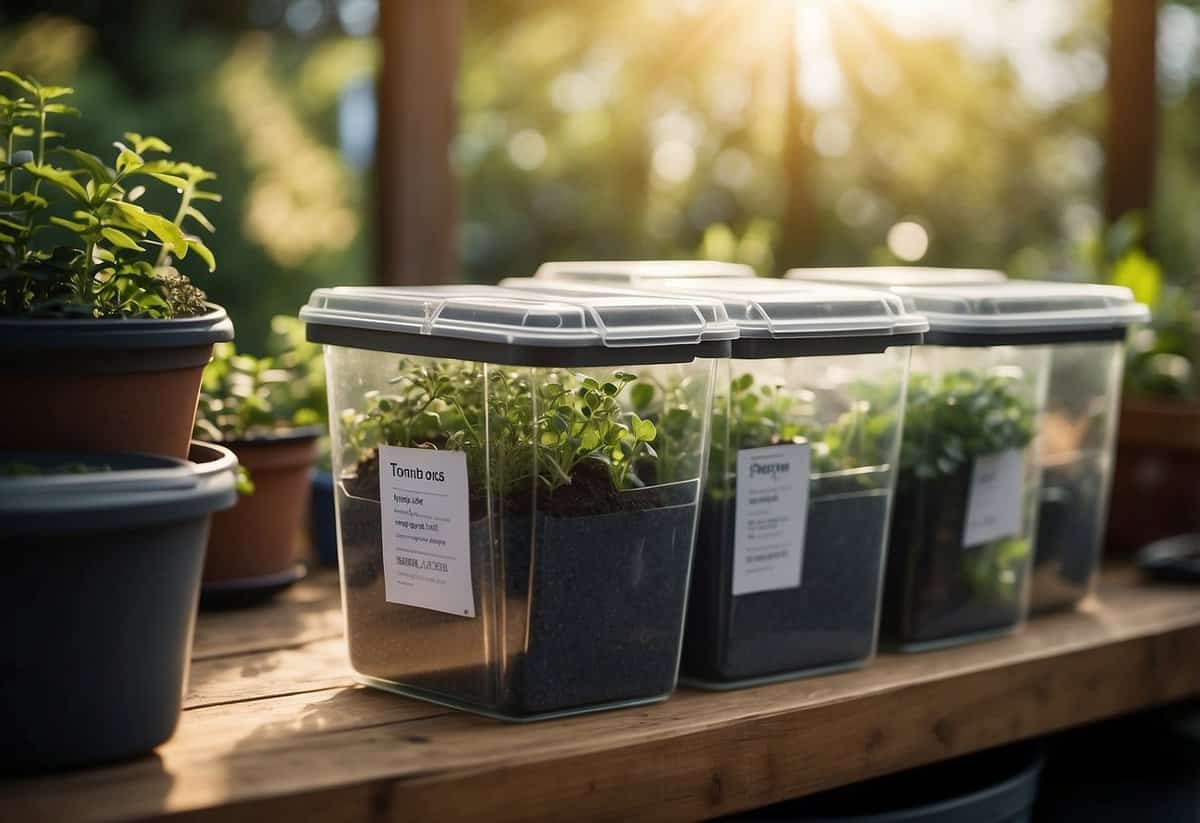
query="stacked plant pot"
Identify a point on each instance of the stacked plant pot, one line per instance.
(105, 501)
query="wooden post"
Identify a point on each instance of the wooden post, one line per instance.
(799, 225)
(415, 190)
(1132, 142)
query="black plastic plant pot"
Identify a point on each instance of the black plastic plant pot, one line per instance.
(1066, 554)
(322, 523)
(588, 609)
(104, 555)
(826, 624)
(936, 592)
(997, 786)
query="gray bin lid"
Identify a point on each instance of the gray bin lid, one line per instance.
(1024, 312)
(775, 318)
(890, 276)
(617, 272)
(492, 324)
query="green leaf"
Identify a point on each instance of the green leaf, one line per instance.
(644, 430)
(199, 217)
(206, 195)
(120, 239)
(54, 92)
(91, 163)
(69, 224)
(61, 178)
(205, 254)
(642, 395)
(59, 108)
(27, 85)
(160, 227)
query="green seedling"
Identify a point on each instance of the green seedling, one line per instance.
(74, 240)
(541, 423)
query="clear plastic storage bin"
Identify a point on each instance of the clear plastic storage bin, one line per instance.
(517, 490)
(1077, 432)
(806, 428)
(1076, 447)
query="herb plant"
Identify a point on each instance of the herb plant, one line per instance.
(74, 241)
(754, 414)
(545, 425)
(952, 420)
(243, 397)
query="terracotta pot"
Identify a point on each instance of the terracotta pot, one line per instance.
(1156, 485)
(261, 536)
(105, 385)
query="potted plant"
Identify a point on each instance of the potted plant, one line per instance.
(94, 314)
(1158, 447)
(936, 588)
(103, 553)
(258, 408)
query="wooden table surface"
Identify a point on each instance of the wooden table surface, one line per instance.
(274, 727)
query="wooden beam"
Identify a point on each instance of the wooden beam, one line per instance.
(415, 190)
(1131, 149)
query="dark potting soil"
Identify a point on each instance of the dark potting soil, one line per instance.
(829, 621)
(1067, 552)
(604, 603)
(933, 590)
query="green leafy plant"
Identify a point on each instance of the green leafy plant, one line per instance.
(74, 241)
(244, 397)
(545, 427)
(952, 420)
(754, 414)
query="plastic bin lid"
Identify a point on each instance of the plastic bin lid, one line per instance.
(498, 325)
(889, 276)
(59, 492)
(1024, 311)
(783, 318)
(617, 272)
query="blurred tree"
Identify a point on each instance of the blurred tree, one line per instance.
(257, 103)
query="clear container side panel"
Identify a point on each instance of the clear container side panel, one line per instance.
(840, 417)
(966, 494)
(581, 491)
(1075, 447)
(394, 635)
(598, 546)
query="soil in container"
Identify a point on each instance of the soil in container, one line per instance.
(594, 585)
(827, 622)
(936, 589)
(1067, 549)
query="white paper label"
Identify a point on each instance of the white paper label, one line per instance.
(994, 502)
(772, 511)
(423, 505)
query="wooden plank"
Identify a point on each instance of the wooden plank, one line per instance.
(308, 611)
(358, 754)
(231, 678)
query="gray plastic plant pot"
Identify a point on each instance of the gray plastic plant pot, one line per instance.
(103, 554)
(998, 786)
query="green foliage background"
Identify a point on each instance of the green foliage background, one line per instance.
(564, 107)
